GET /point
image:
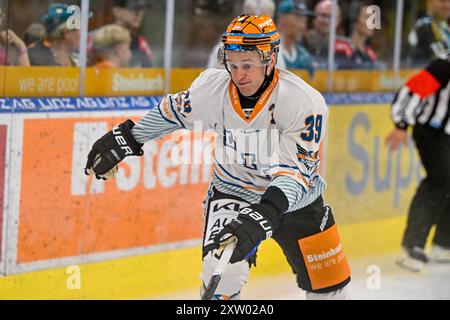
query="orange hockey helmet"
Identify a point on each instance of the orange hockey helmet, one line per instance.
(251, 33)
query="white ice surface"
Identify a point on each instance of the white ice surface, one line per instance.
(373, 278)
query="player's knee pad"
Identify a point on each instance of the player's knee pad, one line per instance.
(233, 278)
(339, 294)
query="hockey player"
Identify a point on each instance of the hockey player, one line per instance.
(266, 183)
(423, 103)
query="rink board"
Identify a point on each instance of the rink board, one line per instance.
(65, 81)
(148, 204)
(139, 235)
(376, 182)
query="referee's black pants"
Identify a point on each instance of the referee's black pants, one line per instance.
(431, 203)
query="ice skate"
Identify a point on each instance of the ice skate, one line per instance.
(412, 259)
(439, 254)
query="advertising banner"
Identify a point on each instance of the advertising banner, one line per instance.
(65, 82)
(3, 135)
(64, 212)
(365, 180)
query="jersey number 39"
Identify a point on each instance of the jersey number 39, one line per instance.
(313, 128)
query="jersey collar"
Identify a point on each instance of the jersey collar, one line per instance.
(235, 102)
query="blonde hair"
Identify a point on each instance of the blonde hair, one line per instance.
(59, 33)
(109, 36)
(266, 6)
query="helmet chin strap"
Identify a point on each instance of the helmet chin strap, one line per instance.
(266, 76)
(267, 79)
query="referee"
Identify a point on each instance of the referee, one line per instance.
(423, 103)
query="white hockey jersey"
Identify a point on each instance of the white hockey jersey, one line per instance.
(277, 145)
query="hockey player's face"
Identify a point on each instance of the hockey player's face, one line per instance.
(129, 18)
(439, 9)
(246, 70)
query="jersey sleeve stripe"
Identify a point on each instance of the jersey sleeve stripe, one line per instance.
(152, 126)
(297, 177)
(217, 174)
(162, 115)
(293, 190)
(289, 167)
(176, 115)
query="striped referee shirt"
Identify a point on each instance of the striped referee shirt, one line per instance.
(424, 98)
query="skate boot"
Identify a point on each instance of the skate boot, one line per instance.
(412, 259)
(440, 254)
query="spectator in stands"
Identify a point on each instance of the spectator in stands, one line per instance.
(317, 38)
(13, 50)
(111, 47)
(60, 46)
(430, 36)
(252, 7)
(34, 33)
(355, 52)
(130, 14)
(262, 7)
(292, 23)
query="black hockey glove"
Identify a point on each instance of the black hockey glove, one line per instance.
(253, 225)
(112, 148)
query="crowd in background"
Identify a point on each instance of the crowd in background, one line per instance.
(54, 40)
(304, 27)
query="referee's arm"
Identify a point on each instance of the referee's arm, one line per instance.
(410, 96)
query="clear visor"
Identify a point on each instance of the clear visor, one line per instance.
(244, 66)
